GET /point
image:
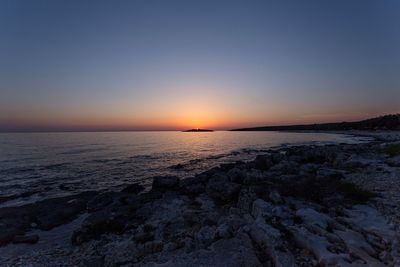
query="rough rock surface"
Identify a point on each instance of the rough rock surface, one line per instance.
(333, 205)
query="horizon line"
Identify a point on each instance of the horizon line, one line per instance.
(116, 129)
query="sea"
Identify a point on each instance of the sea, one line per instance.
(36, 166)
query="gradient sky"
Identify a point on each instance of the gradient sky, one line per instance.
(181, 64)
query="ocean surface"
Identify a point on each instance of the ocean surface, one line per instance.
(35, 166)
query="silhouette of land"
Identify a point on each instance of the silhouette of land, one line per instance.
(198, 130)
(387, 122)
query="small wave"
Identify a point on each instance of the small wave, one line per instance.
(82, 151)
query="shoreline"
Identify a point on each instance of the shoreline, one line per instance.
(246, 207)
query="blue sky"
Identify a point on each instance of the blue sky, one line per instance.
(176, 64)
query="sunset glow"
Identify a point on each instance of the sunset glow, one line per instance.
(138, 66)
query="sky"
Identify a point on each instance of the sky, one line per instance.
(166, 65)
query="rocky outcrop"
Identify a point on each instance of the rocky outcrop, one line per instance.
(290, 207)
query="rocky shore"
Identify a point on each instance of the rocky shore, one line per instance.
(332, 205)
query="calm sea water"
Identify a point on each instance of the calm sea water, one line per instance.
(35, 166)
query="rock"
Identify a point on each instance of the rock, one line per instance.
(287, 167)
(192, 186)
(178, 166)
(150, 247)
(368, 220)
(234, 252)
(234, 222)
(256, 177)
(271, 241)
(356, 161)
(236, 175)
(223, 231)
(29, 239)
(358, 246)
(100, 201)
(275, 197)
(262, 208)
(312, 217)
(332, 173)
(206, 235)
(309, 167)
(11, 229)
(394, 161)
(247, 195)
(318, 245)
(93, 261)
(54, 212)
(120, 252)
(263, 162)
(221, 189)
(133, 188)
(98, 223)
(163, 183)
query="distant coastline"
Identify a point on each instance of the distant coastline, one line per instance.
(197, 130)
(385, 123)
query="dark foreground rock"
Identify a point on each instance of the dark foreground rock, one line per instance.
(296, 206)
(43, 215)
